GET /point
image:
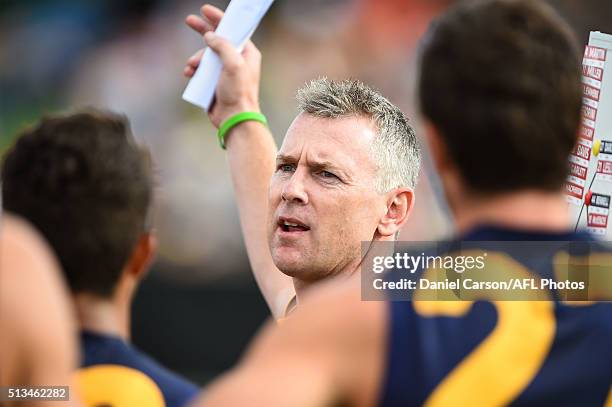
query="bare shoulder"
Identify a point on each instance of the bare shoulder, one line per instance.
(23, 249)
(330, 351)
(33, 299)
(336, 333)
(19, 237)
(337, 306)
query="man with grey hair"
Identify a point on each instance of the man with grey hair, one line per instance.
(345, 173)
(394, 150)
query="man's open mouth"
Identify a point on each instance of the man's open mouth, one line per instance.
(292, 225)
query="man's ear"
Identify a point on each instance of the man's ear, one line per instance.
(399, 207)
(142, 256)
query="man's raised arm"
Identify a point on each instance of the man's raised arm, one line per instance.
(251, 151)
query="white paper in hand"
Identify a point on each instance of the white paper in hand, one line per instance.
(237, 25)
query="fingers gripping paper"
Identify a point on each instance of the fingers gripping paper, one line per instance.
(589, 186)
(237, 25)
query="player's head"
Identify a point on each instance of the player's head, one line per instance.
(82, 180)
(500, 88)
(345, 174)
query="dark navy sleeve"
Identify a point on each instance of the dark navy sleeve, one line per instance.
(100, 349)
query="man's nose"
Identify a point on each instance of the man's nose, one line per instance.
(294, 188)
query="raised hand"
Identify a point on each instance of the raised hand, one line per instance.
(238, 87)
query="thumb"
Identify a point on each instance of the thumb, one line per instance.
(229, 55)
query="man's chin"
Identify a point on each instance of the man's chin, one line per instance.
(291, 264)
(292, 268)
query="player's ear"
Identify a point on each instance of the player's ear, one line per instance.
(437, 148)
(399, 207)
(451, 178)
(143, 255)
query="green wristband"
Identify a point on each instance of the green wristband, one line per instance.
(230, 123)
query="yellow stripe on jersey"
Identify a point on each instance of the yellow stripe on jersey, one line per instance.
(506, 361)
(117, 386)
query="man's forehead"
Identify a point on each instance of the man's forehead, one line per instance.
(329, 139)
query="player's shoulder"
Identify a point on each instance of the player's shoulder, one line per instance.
(328, 322)
(33, 299)
(21, 238)
(335, 334)
(23, 249)
(107, 350)
(332, 307)
(337, 305)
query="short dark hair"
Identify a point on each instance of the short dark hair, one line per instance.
(500, 80)
(82, 180)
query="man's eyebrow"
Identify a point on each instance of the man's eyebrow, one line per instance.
(320, 165)
(323, 165)
(314, 164)
(283, 158)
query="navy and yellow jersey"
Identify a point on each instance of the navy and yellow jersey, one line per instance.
(112, 353)
(496, 353)
(117, 386)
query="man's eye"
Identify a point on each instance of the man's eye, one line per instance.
(286, 168)
(327, 174)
